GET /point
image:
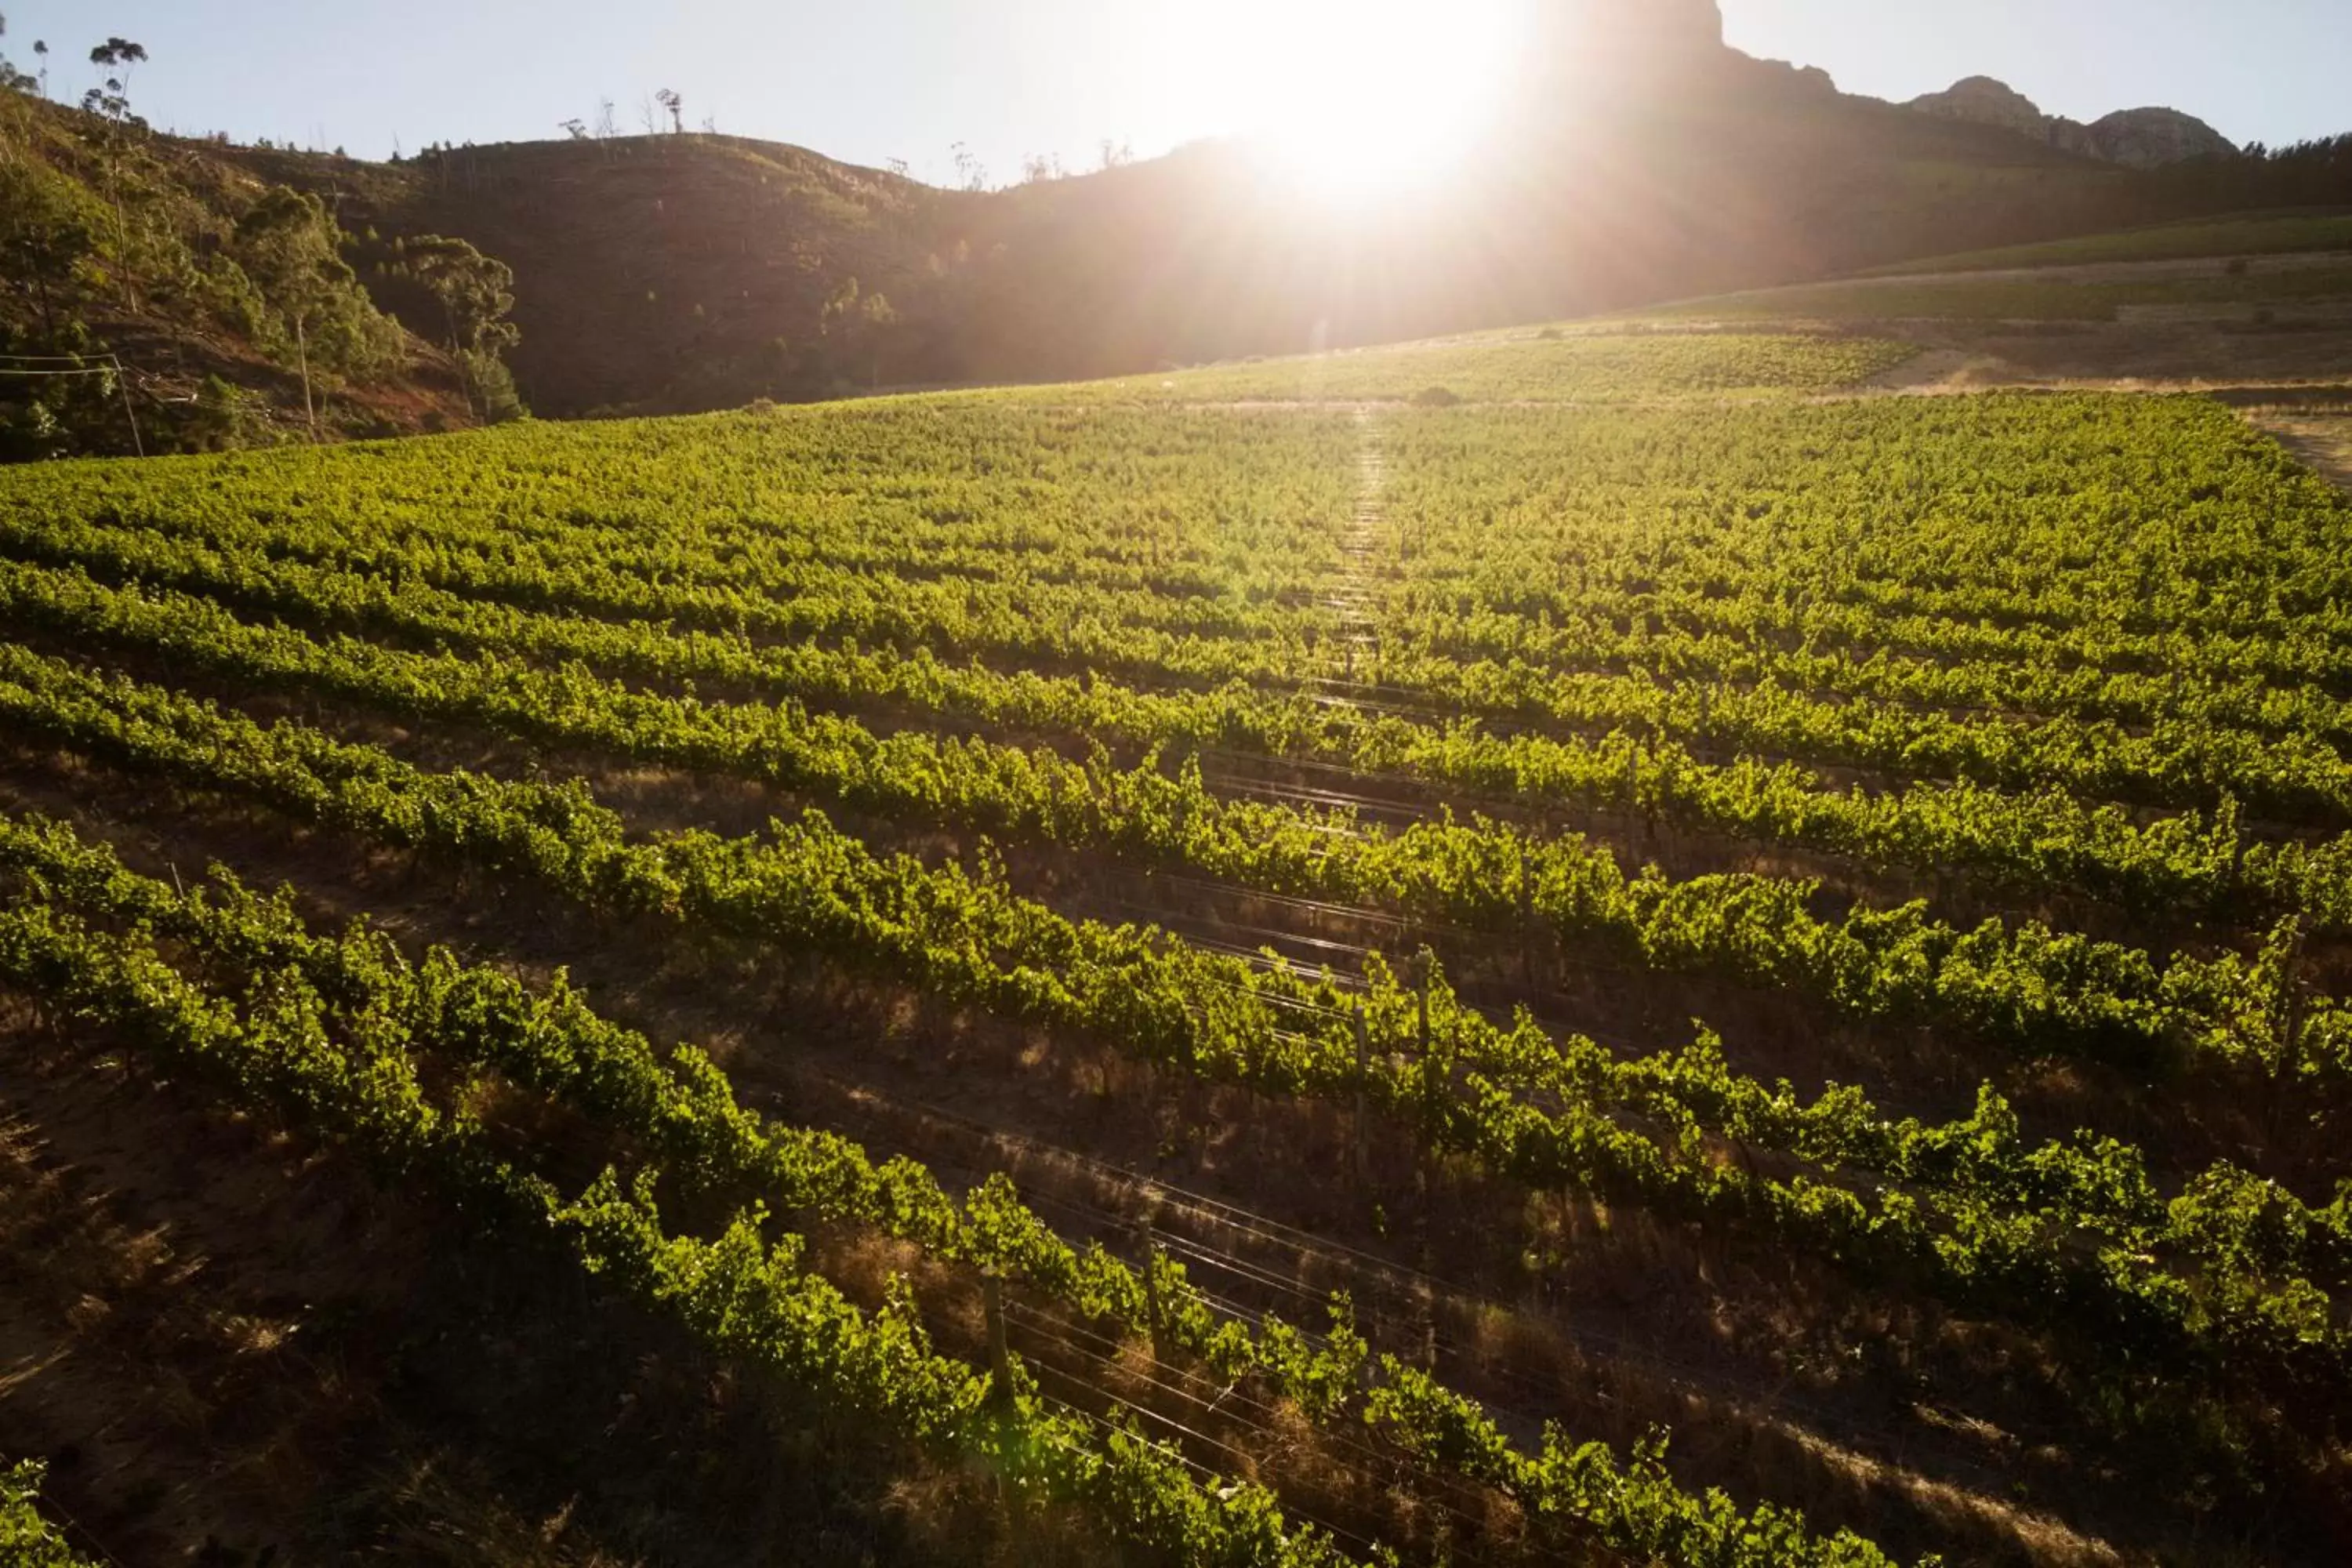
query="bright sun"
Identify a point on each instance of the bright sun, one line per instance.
(1365, 98)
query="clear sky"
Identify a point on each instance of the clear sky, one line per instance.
(874, 79)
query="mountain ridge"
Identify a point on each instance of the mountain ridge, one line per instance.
(160, 297)
(1641, 159)
(2149, 138)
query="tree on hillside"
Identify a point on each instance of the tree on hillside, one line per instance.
(675, 105)
(42, 237)
(291, 250)
(860, 322)
(12, 80)
(970, 173)
(109, 104)
(41, 53)
(475, 292)
(116, 57)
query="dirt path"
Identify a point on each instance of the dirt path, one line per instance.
(2321, 438)
(1353, 598)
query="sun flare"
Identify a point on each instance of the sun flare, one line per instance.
(1369, 97)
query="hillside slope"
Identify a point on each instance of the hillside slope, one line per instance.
(669, 271)
(684, 272)
(687, 272)
(1637, 160)
(160, 297)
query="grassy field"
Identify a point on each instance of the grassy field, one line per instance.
(2280, 235)
(1636, 964)
(1564, 365)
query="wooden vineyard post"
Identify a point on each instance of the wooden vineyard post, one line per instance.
(1526, 920)
(2288, 1021)
(2291, 1035)
(1000, 1396)
(999, 1357)
(1363, 1086)
(1430, 1084)
(1153, 1316)
(1633, 801)
(122, 381)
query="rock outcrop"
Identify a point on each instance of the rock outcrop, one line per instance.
(2151, 138)
(1984, 101)
(1616, 50)
(2141, 138)
(1643, 31)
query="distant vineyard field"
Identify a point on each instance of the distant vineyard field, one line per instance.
(2284, 234)
(1570, 366)
(1645, 961)
(2003, 299)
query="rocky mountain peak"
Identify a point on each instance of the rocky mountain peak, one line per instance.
(1618, 52)
(2151, 138)
(2141, 138)
(1985, 101)
(1637, 32)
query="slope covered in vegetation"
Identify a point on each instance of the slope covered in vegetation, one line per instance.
(158, 296)
(689, 272)
(685, 272)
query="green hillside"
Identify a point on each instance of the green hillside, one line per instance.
(160, 297)
(692, 271)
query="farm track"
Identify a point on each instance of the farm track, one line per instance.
(2321, 436)
(1353, 600)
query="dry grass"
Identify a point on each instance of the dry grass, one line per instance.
(443, 1515)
